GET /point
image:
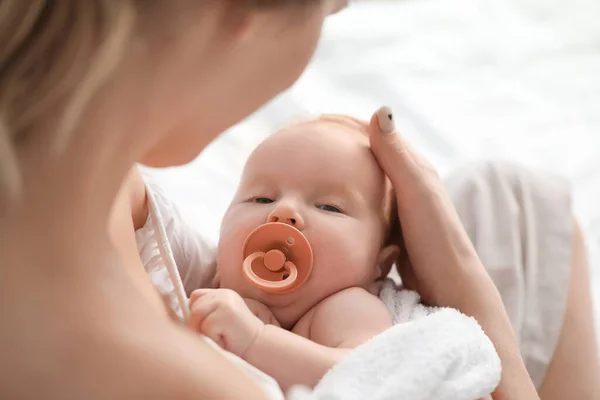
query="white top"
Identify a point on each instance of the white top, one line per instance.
(166, 241)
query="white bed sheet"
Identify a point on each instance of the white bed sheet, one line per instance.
(510, 79)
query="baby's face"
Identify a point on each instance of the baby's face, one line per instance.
(321, 178)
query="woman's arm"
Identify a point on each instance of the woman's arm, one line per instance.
(444, 266)
(189, 370)
(194, 257)
(128, 214)
(575, 367)
(166, 361)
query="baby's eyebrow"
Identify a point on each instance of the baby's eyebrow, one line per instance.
(355, 196)
(259, 181)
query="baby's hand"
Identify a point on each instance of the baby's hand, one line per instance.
(262, 312)
(223, 316)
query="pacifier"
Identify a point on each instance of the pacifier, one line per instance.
(277, 258)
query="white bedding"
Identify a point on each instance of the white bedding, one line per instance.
(511, 79)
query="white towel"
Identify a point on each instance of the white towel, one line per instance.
(431, 353)
(404, 305)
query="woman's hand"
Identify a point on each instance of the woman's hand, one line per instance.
(442, 263)
(437, 244)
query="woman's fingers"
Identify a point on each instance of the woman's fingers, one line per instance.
(407, 274)
(389, 149)
(435, 240)
(407, 170)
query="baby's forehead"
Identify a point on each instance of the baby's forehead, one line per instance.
(321, 150)
(321, 134)
(314, 146)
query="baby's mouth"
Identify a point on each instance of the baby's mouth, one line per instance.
(277, 257)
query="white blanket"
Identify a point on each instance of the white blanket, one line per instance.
(429, 354)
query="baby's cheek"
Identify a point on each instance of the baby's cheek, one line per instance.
(229, 258)
(348, 262)
(229, 266)
(236, 227)
(358, 268)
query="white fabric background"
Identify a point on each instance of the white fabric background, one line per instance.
(509, 79)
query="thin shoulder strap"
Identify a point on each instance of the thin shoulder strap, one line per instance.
(167, 255)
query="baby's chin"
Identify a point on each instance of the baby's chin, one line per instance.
(236, 281)
(248, 291)
(287, 308)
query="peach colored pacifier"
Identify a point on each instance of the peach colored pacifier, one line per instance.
(277, 258)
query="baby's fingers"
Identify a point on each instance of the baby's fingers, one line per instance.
(199, 293)
(200, 310)
(212, 326)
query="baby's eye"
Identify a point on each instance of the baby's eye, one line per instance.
(329, 208)
(263, 200)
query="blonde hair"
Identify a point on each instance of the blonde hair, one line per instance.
(54, 55)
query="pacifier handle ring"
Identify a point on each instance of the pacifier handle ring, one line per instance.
(263, 283)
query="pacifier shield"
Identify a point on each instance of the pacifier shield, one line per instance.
(277, 258)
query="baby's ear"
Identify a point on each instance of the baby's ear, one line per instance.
(386, 259)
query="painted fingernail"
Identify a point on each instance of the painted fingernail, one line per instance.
(385, 117)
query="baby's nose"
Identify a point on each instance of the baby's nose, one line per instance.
(287, 215)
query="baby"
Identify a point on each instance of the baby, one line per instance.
(321, 178)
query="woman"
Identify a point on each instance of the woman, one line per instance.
(88, 89)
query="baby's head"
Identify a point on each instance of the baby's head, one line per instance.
(321, 177)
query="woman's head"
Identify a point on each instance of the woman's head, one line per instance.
(155, 79)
